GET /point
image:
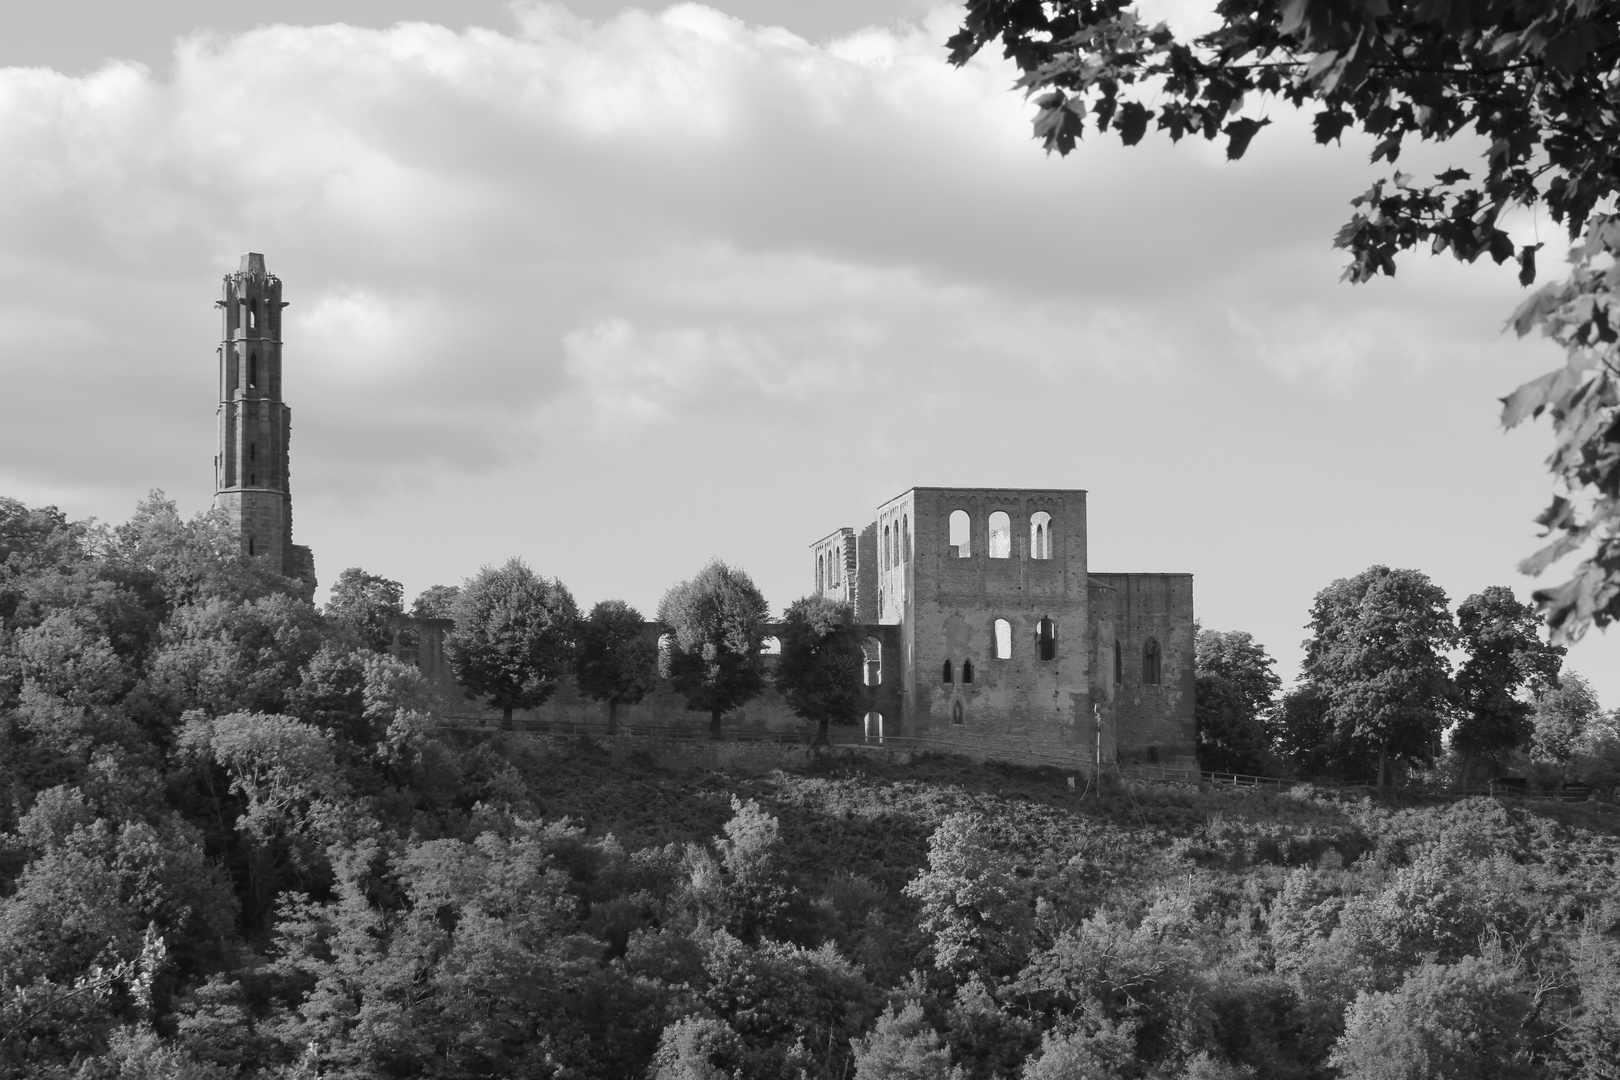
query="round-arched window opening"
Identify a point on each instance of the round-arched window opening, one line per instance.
(1046, 639)
(948, 675)
(1003, 639)
(1040, 535)
(957, 712)
(1000, 535)
(961, 536)
(967, 673)
(1150, 662)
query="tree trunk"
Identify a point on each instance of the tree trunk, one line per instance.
(714, 727)
(1383, 753)
(613, 717)
(506, 718)
(1468, 759)
(821, 734)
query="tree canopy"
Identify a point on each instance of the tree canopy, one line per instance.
(714, 625)
(514, 636)
(1377, 656)
(616, 662)
(819, 672)
(1234, 690)
(1533, 83)
(369, 605)
(1507, 661)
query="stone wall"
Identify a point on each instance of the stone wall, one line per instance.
(1151, 722)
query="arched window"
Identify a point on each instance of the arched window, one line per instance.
(253, 369)
(771, 646)
(1046, 639)
(948, 675)
(956, 712)
(822, 579)
(1040, 535)
(874, 661)
(1003, 639)
(1150, 662)
(961, 534)
(1000, 535)
(967, 673)
(874, 727)
(905, 538)
(888, 549)
(1119, 663)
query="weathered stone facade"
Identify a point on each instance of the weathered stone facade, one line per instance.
(1007, 637)
(251, 468)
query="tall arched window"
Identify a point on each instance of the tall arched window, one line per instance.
(905, 538)
(1000, 535)
(822, 580)
(947, 676)
(253, 369)
(956, 712)
(1150, 662)
(888, 549)
(961, 534)
(1040, 535)
(1046, 639)
(1003, 639)
(1119, 663)
(967, 673)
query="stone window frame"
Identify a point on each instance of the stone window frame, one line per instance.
(1001, 644)
(1040, 535)
(1046, 639)
(1152, 662)
(991, 532)
(965, 549)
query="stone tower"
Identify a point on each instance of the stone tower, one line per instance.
(255, 426)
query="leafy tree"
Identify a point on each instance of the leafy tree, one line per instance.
(223, 655)
(1377, 655)
(436, 602)
(974, 906)
(1462, 1020)
(367, 605)
(514, 636)
(1506, 655)
(1233, 692)
(1562, 715)
(1533, 83)
(903, 1047)
(616, 662)
(819, 672)
(714, 627)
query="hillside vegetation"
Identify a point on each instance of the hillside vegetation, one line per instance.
(233, 843)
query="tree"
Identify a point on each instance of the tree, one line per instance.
(1534, 82)
(1378, 656)
(714, 626)
(1506, 655)
(819, 672)
(436, 602)
(368, 605)
(514, 637)
(1562, 715)
(974, 905)
(903, 1047)
(616, 662)
(1463, 1020)
(1233, 692)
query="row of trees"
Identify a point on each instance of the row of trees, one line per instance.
(1378, 688)
(518, 635)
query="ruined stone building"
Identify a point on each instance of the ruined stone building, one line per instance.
(985, 625)
(985, 613)
(251, 475)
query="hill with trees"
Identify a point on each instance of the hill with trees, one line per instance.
(235, 843)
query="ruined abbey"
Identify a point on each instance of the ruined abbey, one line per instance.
(986, 626)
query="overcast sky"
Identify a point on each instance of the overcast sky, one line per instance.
(618, 290)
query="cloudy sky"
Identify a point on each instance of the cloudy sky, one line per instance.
(620, 289)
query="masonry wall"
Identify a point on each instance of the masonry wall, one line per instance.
(1149, 722)
(1023, 702)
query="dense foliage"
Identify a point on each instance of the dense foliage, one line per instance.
(1532, 83)
(234, 843)
(819, 671)
(514, 637)
(710, 652)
